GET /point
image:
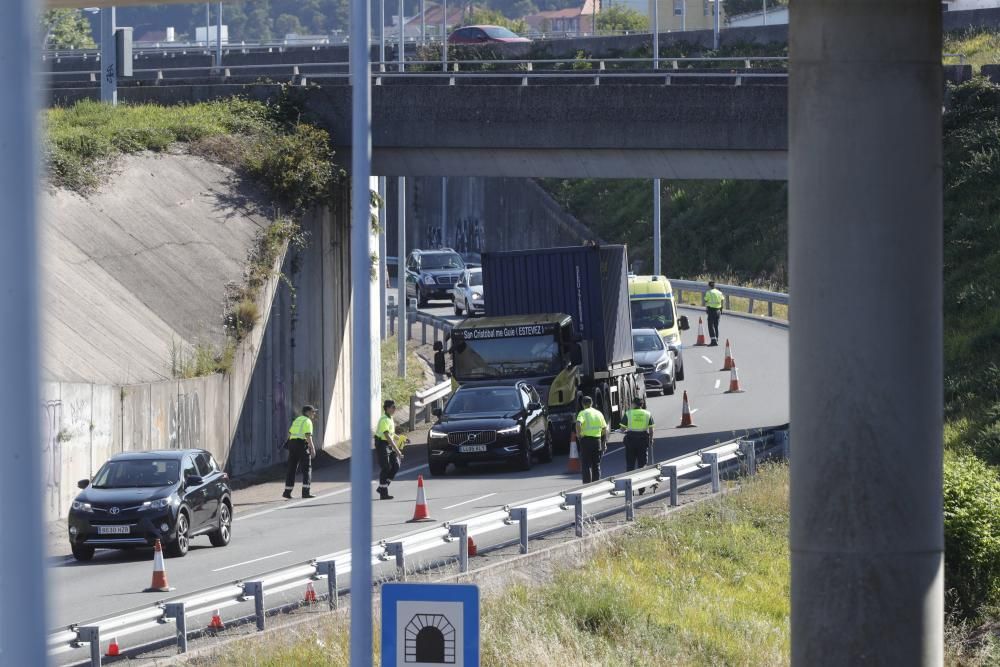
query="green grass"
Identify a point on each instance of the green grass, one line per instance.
(978, 46)
(394, 387)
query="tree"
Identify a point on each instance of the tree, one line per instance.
(734, 7)
(618, 18)
(480, 16)
(287, 24)
(67, 29)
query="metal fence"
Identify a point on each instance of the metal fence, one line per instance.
(707, 464)
(735, 296)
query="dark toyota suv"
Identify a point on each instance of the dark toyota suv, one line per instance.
(494, 422)
(138, 497)
(431, 274)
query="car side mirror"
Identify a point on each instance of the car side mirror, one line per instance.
(437, 412)
(193, 480)
(682, 322)
(533, 406)
(83, 484)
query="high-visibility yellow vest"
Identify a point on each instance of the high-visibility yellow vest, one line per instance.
(592, 423)
(714, 298)
(301, 427)
(384, 424)
(637, 419)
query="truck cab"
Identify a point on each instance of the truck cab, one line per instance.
(653, 307)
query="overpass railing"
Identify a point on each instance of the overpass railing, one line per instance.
(738, 299)
(702, 467)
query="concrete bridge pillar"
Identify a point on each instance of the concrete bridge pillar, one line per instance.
(865, 255)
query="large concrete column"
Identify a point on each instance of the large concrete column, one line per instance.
(865, 256)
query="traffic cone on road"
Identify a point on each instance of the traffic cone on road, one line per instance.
(573, 462)
(686, 421)
(729, 363)
(216, 622)
(310, 593)
(420, 512)
(472, 548)
(159, 584)
(700, 342)
(113, 650)
(734, 382)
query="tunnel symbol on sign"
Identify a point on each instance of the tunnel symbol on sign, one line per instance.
(430, 638)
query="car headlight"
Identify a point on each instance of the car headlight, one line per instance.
(156, 504)
(434, 433)
(428, 280)
(672, 339)
(512, 430)
(477, 297)
(662, 366)
(82, 507)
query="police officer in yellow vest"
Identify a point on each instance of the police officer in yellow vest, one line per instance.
(386, 449)
(301, 452)
(638, 426)
(713, 305)
(591, 430)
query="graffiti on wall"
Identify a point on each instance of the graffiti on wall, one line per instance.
(52, 456)
(185, 422)
(466, 235)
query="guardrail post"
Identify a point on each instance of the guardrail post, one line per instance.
(461, 531)
(175, 610)
(576, 501)
(626, 486)
(781, 437)
(92, 635)
(749, 450)
(750, 310)
(712, 459)
(423, 332)
(413, 413)
(670, 472)
(396, 549)
(255, 589)
(770, 309)
(328, 569)
(520, 514)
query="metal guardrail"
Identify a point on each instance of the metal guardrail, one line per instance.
(752, 295)
(426, 399)
(330, 566)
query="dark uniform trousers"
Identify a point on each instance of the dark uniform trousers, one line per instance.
(590, 458)
(387, 462)
(298, 456)
(636, 450)
(713, 323)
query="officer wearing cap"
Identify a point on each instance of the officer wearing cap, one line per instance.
(637, 424)
(591, 430)
(301, 452)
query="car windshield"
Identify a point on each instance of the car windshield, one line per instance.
(497, 32)
(652, 313)
(483, 400)
(441, 260)
(134, 473)
(476, 279)
(507, 357)
(646, 342)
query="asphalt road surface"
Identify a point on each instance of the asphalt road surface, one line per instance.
(272, 533)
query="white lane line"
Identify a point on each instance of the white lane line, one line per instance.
(706, 358)
(717, 383)
(255, 560)
(694, 410)
(466, 502)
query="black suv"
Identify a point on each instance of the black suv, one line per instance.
(138, 497)
(431, 274)
(490, 422)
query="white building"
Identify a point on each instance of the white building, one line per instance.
(773, 16)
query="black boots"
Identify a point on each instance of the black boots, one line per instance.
(383, 493)
(306, 494)
(287, 494)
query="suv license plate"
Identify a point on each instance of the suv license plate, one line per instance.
(112, 530)
(465, 449)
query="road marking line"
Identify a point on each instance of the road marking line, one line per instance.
(706, 358)
(717, 383)
(694, 410)
(255, 560)
(466, 502)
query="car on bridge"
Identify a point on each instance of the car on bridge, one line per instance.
(469, 293)
(488, 422)
(655, 361)
(139, 497)
(432, 274)
(486, 34)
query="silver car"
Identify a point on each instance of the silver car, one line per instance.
(469, 293)
(655, 361)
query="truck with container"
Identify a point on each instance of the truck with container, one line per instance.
(560, 319)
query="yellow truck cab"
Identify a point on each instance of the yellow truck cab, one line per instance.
(652, 301)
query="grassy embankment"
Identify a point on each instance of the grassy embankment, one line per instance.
(394, 387)
(708, 586)
(291, 160)
(978, 47)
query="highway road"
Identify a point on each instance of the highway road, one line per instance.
(272, 533)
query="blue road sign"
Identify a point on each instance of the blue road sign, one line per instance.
(429, 625)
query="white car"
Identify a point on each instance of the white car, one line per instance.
(469, 293)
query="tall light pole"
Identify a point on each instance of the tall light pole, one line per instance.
(715, 25)
(109, 61)
(444, 35)
(657, 267)
(218, 38)
(656, 34)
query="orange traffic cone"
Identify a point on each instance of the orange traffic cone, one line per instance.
(472, 548)
(113, 649)
(686, 414)
(420, 512)
(700, 342)
(729, 363)
(734, 382)
(159, 584)
(310, 593)
(573, 462)
(216, 622)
